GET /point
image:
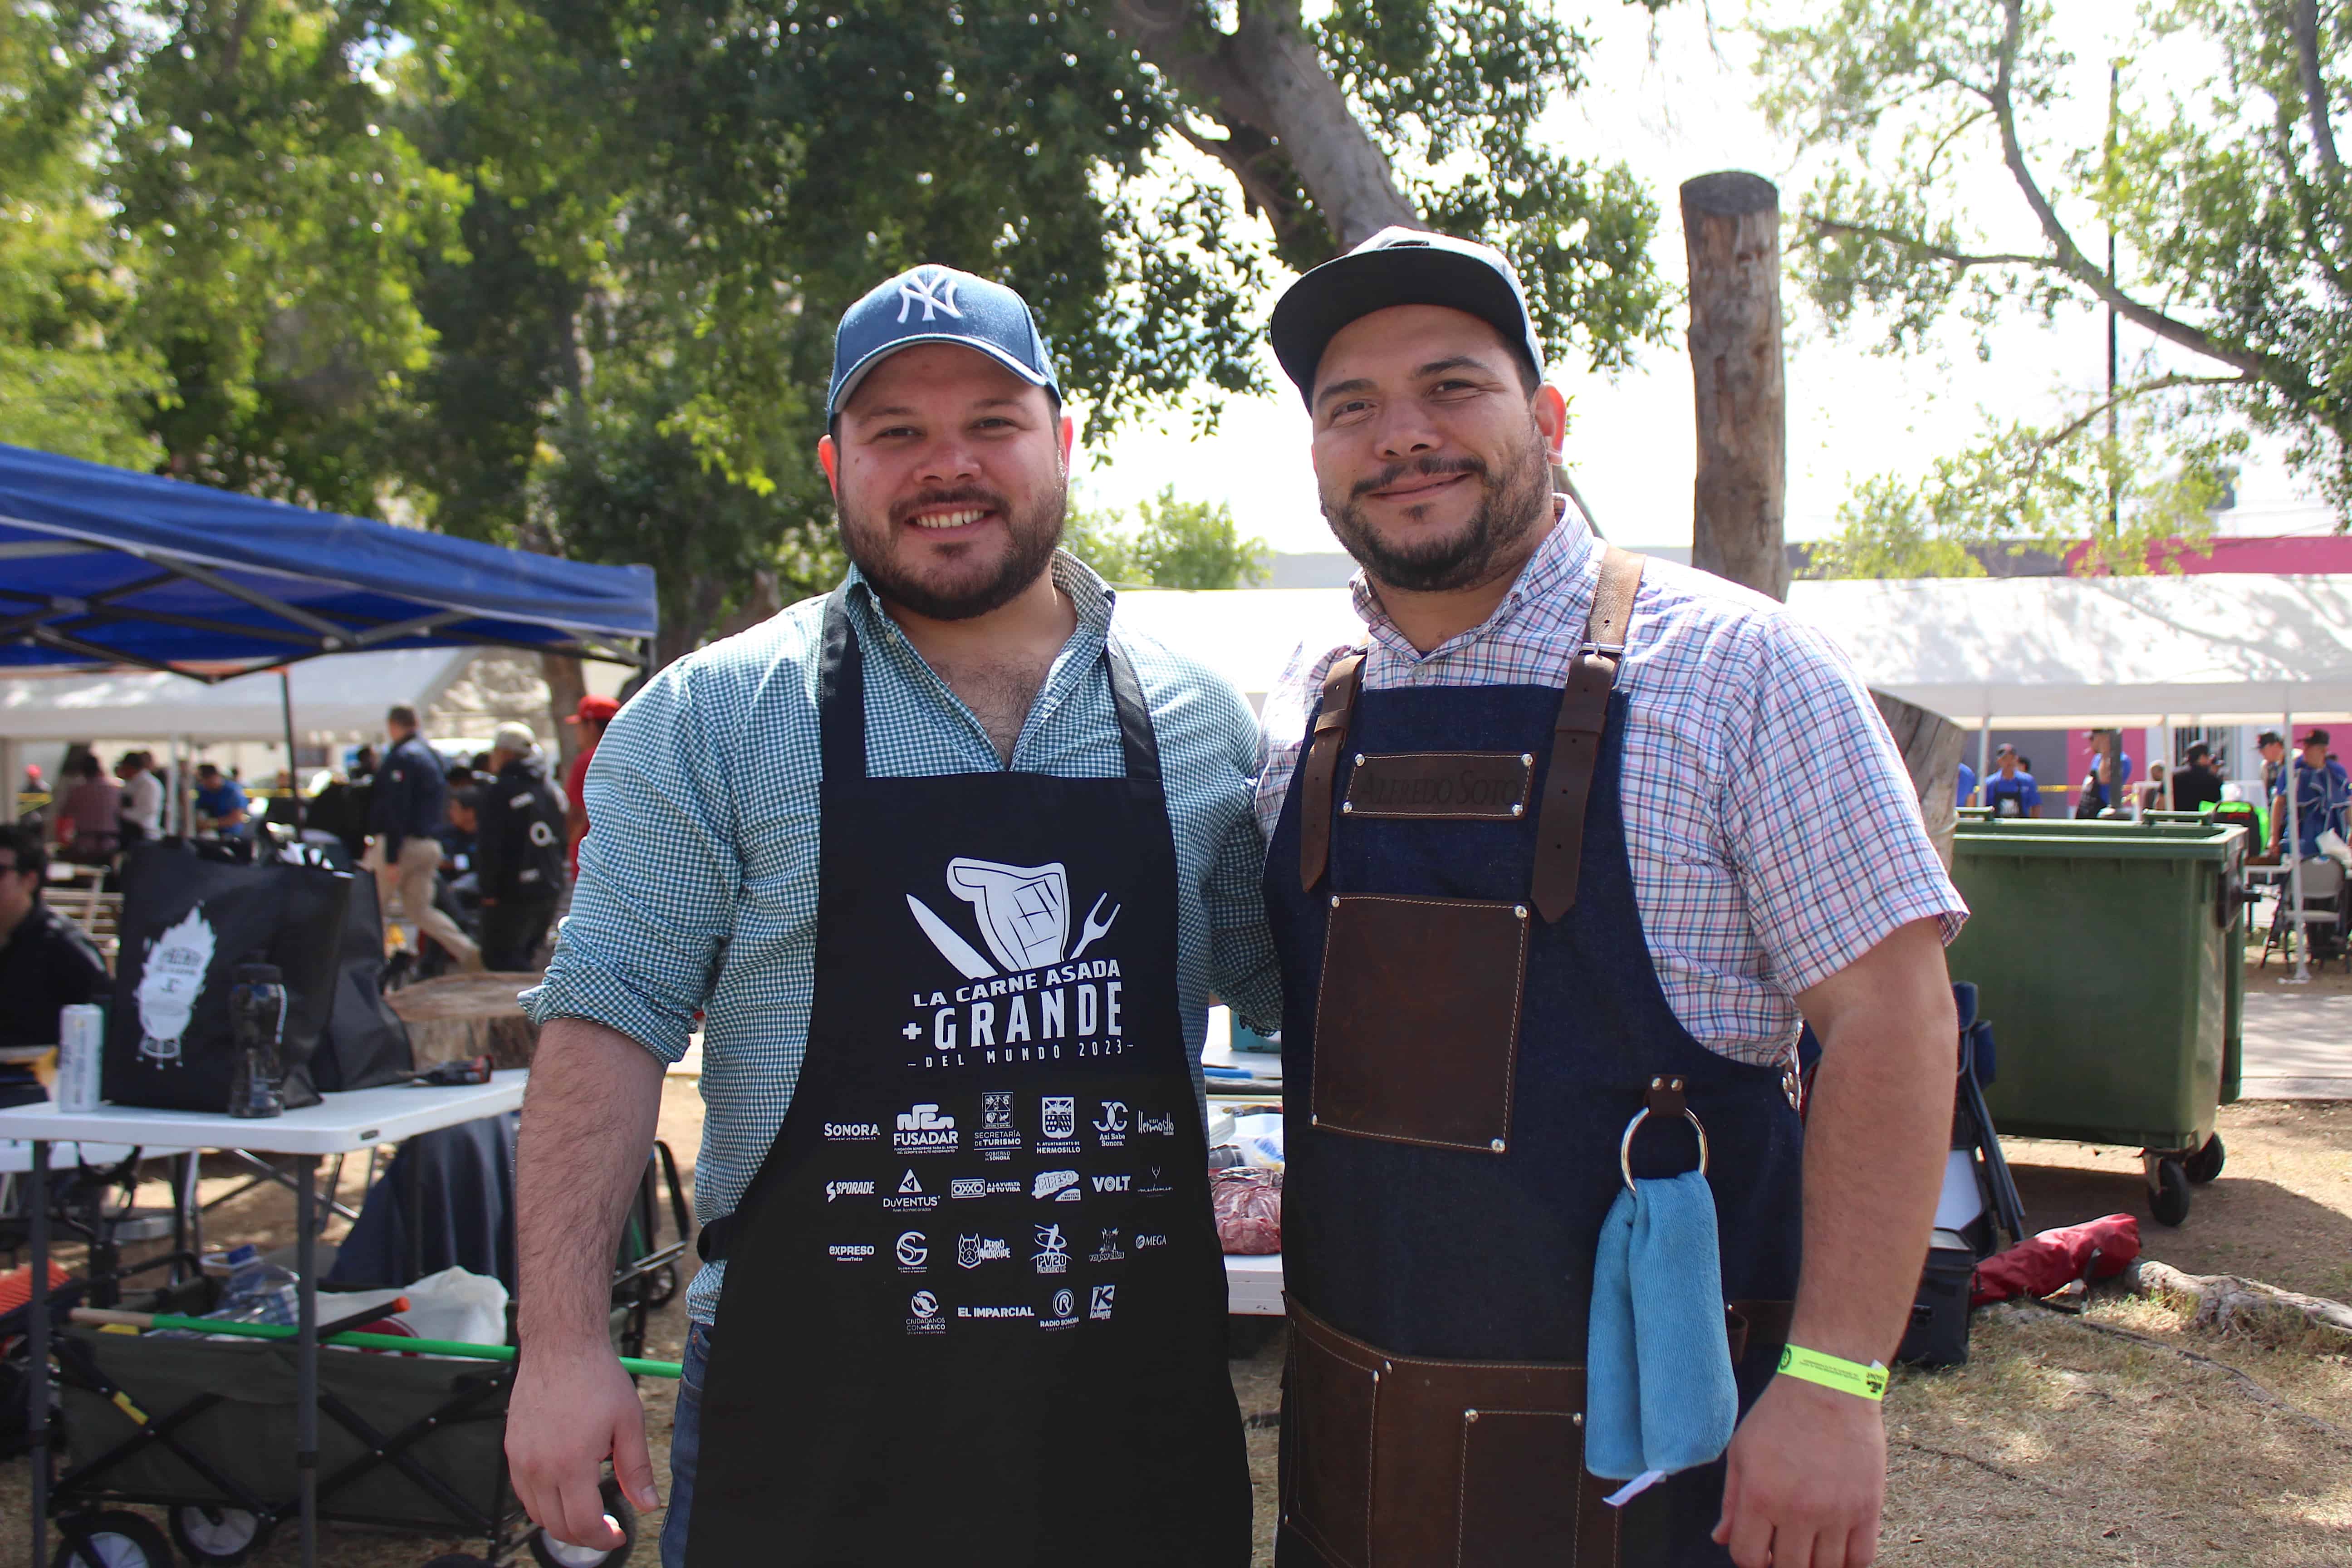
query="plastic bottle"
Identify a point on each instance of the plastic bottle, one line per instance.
(260, 1291)
(257, 1014)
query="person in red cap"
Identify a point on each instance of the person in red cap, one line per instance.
(593, 713)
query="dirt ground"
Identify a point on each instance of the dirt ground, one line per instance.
(2056, 1442)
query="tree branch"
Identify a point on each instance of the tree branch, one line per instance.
(2305, 26)
(2124, 395)
(2069, 256)
(1825, 226)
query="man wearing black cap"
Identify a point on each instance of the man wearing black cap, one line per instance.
(949, 860)
(1538, 886)
(2322, 793)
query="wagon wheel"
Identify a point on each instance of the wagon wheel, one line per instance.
(553, 1553)
(116, 1539)
(210, 1534)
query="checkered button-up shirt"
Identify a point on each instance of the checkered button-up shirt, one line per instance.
(698, 878)
(1772, 827)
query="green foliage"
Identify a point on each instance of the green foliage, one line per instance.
(1173, 545)
(2232, 216)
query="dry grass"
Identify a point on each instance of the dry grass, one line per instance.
(2055, 1444)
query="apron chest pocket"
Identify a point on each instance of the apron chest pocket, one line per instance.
(1410, 1462)
(1417, 1025)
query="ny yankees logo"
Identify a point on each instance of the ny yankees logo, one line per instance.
(934, 293)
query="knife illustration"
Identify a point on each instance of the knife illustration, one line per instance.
(952, 948)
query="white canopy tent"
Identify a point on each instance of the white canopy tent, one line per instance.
(340, 696)
(2048, 652)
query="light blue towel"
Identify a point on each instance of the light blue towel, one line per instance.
(1659, 1395)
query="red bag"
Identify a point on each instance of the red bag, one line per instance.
(2045, 1262)
(1248, 1206)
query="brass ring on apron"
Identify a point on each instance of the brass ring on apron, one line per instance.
(1625, 1145)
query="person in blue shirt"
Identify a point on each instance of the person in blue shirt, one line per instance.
(2322, 793)
(2101, 791)
(221, 801)
(1967, 785)
(2011, 791)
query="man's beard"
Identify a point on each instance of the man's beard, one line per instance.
(1033, 539)
(1507, 512)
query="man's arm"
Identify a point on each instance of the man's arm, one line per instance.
(1808, 1468)
(588, 1121)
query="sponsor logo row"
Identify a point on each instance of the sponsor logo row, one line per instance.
(1063, 1186)
(926, 1314)
(926, 1129)
(1049, 1255)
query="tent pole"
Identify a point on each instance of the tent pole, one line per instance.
(1984, 751)
(293, 774)
(2290, 846)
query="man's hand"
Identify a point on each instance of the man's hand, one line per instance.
(1808, 1475)
(569, 1412)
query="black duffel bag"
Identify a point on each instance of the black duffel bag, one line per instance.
(366, 1044)
(186, 924)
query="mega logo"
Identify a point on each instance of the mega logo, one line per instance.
(1060, 1186)
(923, 1131)
(848, 1190)
(1111, 1184)
(1153, 1238)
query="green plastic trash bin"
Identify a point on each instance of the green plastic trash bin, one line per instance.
(2110, 959)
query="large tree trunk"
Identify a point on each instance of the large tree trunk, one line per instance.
(1931, 747)
(1731, 231)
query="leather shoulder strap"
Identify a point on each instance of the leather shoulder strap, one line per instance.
(1317, 773)
(1576, 735)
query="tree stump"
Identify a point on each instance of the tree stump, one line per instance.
(460, 1015)
(1931, 746)
(2225, 1302)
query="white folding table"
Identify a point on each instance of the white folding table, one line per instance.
(340, 1124)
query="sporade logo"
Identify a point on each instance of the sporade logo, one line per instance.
(848, 1190)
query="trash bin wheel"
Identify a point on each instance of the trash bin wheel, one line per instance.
(210, 1534)
(2206, 1164)
(2169, 1199)
(116, 1539)
(553, 1553)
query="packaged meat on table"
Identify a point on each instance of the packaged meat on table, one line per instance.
(1248, 1206)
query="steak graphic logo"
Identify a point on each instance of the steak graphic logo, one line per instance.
(1024, 915)
(169, 983)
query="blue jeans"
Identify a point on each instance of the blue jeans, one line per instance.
(685, 1446)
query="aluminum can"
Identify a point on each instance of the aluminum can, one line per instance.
(82, 1052)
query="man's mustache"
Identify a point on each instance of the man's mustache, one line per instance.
(1429, 467)
(967, 495)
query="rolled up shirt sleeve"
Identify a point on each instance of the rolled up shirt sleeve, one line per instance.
(1819, 814)
(659, 875)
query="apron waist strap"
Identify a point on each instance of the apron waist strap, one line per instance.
(711, 1242)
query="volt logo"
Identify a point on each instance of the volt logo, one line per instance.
(1111, 1184)
(934, 293)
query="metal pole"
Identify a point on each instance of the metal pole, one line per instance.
(2115, 99)
(306, 1356)
(293, 778)
(1984, 751)
(2290, 846)
(36, 1350)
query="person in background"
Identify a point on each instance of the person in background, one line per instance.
(2322, 793)
(363, 764)
(1967, 785)
(45, 962)
(141, 815)
(2151, 793)
(90, 824)
(458, 831)
(2195, 786)
(519, 852)
(2102, 785)
(408, 808)
(595, 713)
(2011, 791)
(221, 804)
(2272, 748)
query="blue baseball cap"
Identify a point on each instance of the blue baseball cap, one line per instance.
(1399, 266)
(934, 304)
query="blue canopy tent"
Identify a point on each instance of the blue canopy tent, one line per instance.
(103, 566)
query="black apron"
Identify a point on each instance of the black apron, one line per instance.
(1471, 1018)
(974, 1310)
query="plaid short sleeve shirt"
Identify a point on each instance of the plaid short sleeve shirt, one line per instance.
(1772, 825)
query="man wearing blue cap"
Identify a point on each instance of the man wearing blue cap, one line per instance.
(950, 861)
(1551, 920)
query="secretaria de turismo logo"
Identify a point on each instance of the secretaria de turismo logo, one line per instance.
(1037, 994)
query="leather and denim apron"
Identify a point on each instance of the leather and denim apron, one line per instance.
(974, 1310)
(1472, 1020)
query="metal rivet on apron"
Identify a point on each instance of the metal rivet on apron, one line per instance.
(1346, 807)
(1335, 900)
(1387, 1366)
(1469, 1415)
(1518, 810)
(1360, 759)
(1526, 759)
(1577, 1418)
(1313, 1120)
(1520, 910)
(1496, 1145)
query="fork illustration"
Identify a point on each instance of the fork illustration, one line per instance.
(1094, 928)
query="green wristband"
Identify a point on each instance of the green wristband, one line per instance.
(1845, 1376)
